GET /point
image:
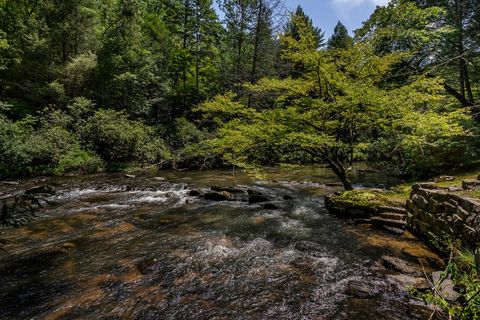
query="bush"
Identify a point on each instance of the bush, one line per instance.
(462, 269)
(47, 146)
(78, 161)
(186, 141)
(15, 156)
(117, 139)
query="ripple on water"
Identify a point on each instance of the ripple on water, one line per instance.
(144, 254)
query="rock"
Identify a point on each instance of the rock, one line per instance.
(454, 189)
(10, 183)
(379, 221)
(257, 197)
(399, 265)
(348, 209)
(227, 189)
(468, 184)
(130, 176)
(360, 289)
(445, 286)
(444, 178)
(394, 230)
(160, 179)
(362, 221)
(420, 201)
(418, 310)
(409, 282)
(269, 206)
(392, 209)
(424, 185)
(394, 216)
(218, 196)
(42, 189)
(194, 193)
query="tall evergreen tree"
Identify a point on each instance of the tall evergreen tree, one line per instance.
(292, 28)
(340, 38)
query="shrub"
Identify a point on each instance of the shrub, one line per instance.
(186, 141)
(47, 146)
(117, 139)
(462, 269)
(79, 161)
(14, 153)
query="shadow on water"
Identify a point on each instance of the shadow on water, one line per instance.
(142, 248)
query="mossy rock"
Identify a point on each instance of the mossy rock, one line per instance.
(357, 203)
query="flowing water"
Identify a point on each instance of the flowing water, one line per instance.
(141, 248)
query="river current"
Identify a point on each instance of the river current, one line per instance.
(112, 247)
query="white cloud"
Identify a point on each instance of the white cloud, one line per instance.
(359, 2)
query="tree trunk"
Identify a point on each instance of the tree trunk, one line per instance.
(257, 42)
(184, 71)
(339, 170)
(464, 78)
(197, 52)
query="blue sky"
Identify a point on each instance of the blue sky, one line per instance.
(326, 13)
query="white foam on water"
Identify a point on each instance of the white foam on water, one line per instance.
(304, 212)
(292, 226)
(102, 206)
(217, 251)
(79, 192)
(180, 193)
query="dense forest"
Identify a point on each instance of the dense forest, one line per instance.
(89, 85)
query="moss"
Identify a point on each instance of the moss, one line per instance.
(365, 198)
(401, 193)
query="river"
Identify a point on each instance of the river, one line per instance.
(113, 247)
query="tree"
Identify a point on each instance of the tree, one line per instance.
(300, 21)
(433, 34)
(238, 22)
(340, 38)
(292, 28)
(329, 115)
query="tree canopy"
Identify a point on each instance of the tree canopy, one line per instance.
(168, 83)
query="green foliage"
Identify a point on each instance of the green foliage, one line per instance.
(421, 144)
(266, 100)
(14, 153)
(295, 28)
(78, 161)
(462, 269)
(364, 198)
(117, 139)
(47, 145)
(340, 38)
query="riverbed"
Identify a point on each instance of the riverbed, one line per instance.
(115, 247)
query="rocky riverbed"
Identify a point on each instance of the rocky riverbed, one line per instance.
(207, 245)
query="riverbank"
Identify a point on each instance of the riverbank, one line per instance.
(443, 214)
